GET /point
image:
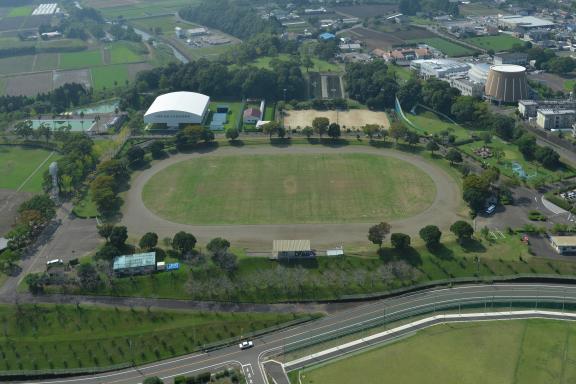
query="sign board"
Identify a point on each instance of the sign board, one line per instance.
(172, 266)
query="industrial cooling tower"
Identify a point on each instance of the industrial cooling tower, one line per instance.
(506, 83)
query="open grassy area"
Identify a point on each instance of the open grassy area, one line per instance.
(16, 64)
(21, 11)
(520, 351)
(428, 122)
(110, 76)
(319, 65)
(18, 163)
(86, 59)
(46, 61)
(86, 207)
(126, 52)
(52, 337)
(289, 189)
(496, 43)
(447, 47)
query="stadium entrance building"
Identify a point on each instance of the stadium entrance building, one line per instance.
(178, 108)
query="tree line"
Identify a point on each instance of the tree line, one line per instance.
(228, 16)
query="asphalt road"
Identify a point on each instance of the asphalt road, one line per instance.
(266, 346)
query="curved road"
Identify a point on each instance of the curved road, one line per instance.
(251, 360)
(442, 212)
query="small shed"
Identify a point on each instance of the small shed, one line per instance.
(252, 116)
(135, 264)
(286, 249)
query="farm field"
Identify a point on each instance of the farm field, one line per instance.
(46, 62)
(20, 11)
(16, 64)
(109, 76)
(478, 9)
(363, 11)
(519, 351)
(76, 60)
(17, 163)
(28, 84)
(447, 47)
(496, 43)
(353, 118)
(288, 189)
(126, 52)
(62, 336)
(163, 24)
(139, 8)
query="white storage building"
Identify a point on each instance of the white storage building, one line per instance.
(178, 108)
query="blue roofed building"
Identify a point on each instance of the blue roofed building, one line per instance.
(327, 36)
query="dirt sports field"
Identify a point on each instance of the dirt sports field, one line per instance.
(354, 118)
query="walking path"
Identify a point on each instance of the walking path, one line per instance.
(139, 219)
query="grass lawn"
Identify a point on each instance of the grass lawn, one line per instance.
(62, 336)
(520, 351)
(289, 189)
(512, 154)
(86, 207)
(46, 62)
(497, 43)
(234, 112)
(428, 122)
(447, 47)
(85, 59)
(110, 76)
(269, 111)
(569, 85)
(18, 163)
(403, 73)
(126, 52)
(319, 65)
(21, 11)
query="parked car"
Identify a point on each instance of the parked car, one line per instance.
(246, 344)
(490, 210)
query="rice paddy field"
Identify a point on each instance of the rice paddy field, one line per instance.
(288, 189)
(497, 352)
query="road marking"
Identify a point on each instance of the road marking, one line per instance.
(248, 373)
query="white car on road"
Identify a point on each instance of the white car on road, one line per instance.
(246, 344)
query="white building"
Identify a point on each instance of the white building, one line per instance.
(479, 72)
(440, 68)
(524, 22)
(178, 108)
(555, 119)
(468, 87)
(564, 244)
(200, 31)
(517, 58)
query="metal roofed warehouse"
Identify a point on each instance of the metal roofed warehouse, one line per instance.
(178, 108)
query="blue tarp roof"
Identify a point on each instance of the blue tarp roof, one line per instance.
(327, 36)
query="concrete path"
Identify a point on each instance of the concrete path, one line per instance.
(139, 219)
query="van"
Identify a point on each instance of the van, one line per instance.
(50, 263)
(490, 210)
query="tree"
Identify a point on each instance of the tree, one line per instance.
(431, 235)
(475, 191)
(218, 244)
(453, 156)
(8, 259)
(157, 149)
(153, 380)
(148, 241)
(108, 252)
(270, 128)
(281, 132)
(409, 94)
(371, 130)
(232, 134)
(377, 233)
(320, 125)
(462, 230)
(308, 131)
(225, 260)
(334, 131)
(88, 277)
(44, 130)
(432, 146)
(135, 154)
(183, 242)
(397, 131)
(105, 230)
(547, 157)
(42, 204)
(527, 146)
(118, 236)
(35, 282)
(400, 240)
(412, 138)
(24, 129)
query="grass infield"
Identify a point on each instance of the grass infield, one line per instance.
(497, 43)
(289, 189)
(499, 352)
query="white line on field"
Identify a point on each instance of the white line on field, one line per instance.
(35, 171)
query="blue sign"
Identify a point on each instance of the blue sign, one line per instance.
(172, 266)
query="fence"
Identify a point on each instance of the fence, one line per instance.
(487, 303)
(44, 373)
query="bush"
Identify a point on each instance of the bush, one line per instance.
(400, 240)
